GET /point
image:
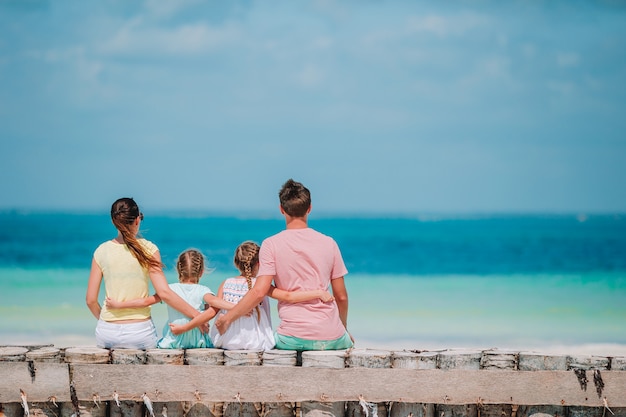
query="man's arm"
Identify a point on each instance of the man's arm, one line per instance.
(247, 303)
(341, 298)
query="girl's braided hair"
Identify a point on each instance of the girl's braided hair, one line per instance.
(190, 266)
(246, 257)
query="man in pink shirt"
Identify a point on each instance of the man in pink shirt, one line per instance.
(300, 258)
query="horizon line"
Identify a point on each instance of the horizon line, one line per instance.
(581, 215)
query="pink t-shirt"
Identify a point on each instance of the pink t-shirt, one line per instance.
(304, 259)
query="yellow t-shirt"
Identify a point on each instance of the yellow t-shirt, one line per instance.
(124, 278)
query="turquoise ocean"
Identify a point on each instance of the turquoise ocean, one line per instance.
(540, 282)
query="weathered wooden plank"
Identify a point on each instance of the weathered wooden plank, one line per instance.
(187, 383)
(278, 384)
(39, 380)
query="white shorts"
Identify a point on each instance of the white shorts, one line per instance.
(140, 335)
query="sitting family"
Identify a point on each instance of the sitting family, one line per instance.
(295, 267)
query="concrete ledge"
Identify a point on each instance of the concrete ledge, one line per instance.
(89, 376)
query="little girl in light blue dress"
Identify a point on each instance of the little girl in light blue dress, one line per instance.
(190, 267)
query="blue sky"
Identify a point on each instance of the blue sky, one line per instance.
(376, 106)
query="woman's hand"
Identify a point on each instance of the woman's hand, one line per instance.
(177, 328)
(182, 328)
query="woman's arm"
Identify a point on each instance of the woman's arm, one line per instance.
(199, 320)
(136, 303)
(93, 289)
(299, 296)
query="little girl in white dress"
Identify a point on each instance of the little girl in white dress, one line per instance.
(253, 331)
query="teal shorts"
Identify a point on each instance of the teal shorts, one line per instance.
(295, 343)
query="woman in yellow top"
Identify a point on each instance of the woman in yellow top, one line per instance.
(126, 263)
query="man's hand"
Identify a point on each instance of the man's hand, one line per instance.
(222, 323)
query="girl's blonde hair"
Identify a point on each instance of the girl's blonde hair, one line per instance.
(190, 266)
(124, 212)
(246, 258)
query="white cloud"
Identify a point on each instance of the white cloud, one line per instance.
(72, 68)
(445, 26)
(529, 50)
(502, 40)
(323, 42)
(136, 37)
(495, 67)
(561, 87)
(57, 55)
(433, 24)
(337, 10)
(164, 9)
(309, 76)
(595, 84)
(567, 60)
